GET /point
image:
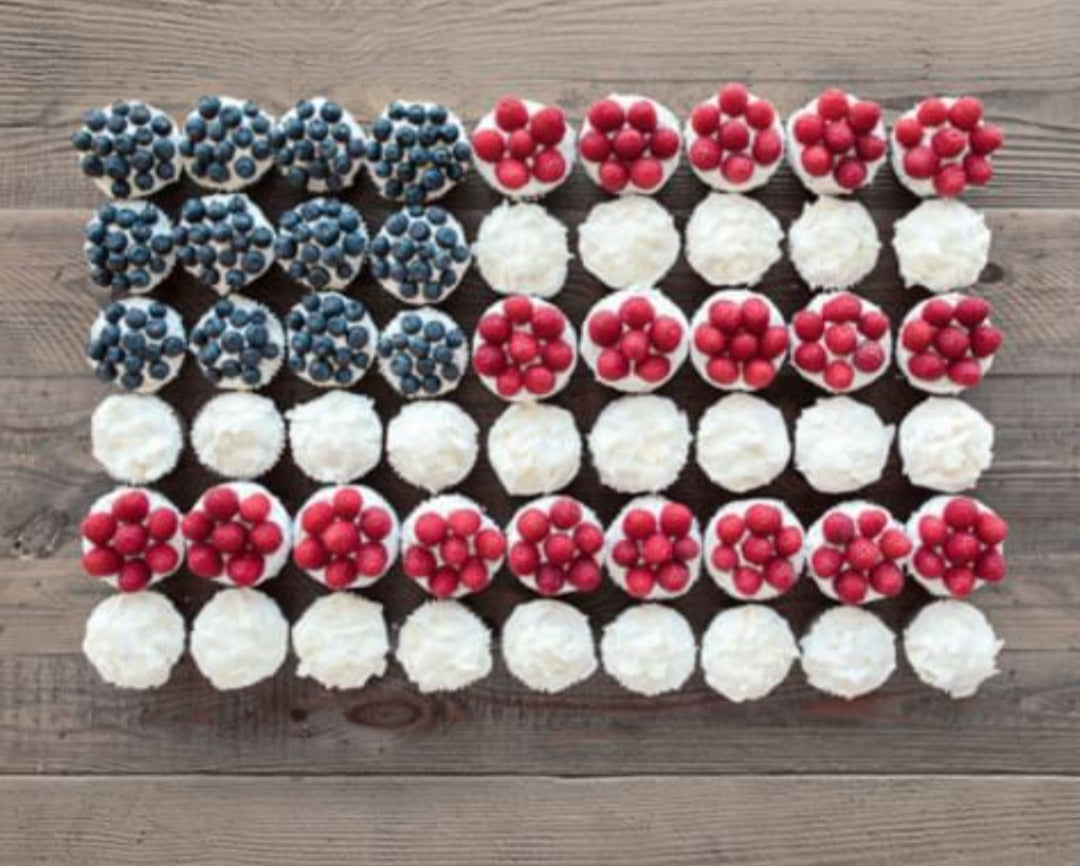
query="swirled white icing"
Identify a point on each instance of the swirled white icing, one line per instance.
(742, 442)
(238, 435)
(628, 242)
(432, 444)
(522, 249)
(649, 649)
(747, 651)
(841, 445)
(548, 645)
(942, 245)
(534, 448)
(952, 647)
(848, 652)
(639, 444)
(945, 444)
(136, 438)
(134, 639)
(732, 240)
(833, 244)
(239, 638)
(444, 646)
(341, 641)
(335, 438)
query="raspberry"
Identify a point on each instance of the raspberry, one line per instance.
(221, 503)
(724, 558)
(832, 104)
(464, 522)
(921, 162)
(908, 132)
(841, 339)
(990, 566)
(986, 139)
(978, 170)
(511, 114)
(548, 125)
(839, 376)
(839, 136)
(375, 523)
(310, 554)
(162, 559)
(454, 551)
(666, 333)
(565, 513)
(686, 549)
(162, 523)
(758, 373)
(951, 342)
(734, 98)
(950, 181)
(490, 544)
(808, 326)
(932, 530)
(809, 129)
(245, 569)
(418, 562)
(990, 528)
(948, 142)
(653, 369)
(673, 576)
(917, 336)
(204, 561)
(639, 524)
(613, 177)
(730, 528)
(512, 173)
(961, 547)
(895, 544)
(130, 539)
(789, 541)
(523, 559)
(474, 575)
(665, 143)
(340, 573)
(810, 357)
(959, 581)
(869, 148)
(850, 587)
(612, 365)
(589, 538)
(780, 574)
(850, 173)
(101, 562)
(734, 135)
(874, 325)
(549, 166)
(927, 367)
(549, 580)
(634, 345)
(817, 160)
(862, 554)
(747, 581)
(675, 519)
(347, 502)
(594, 147)
(872, 522)
(757, 549)
(625, 553)
(768, 147)
(558, 356)
(99, 527)
(520, 146)
(489, 360)
(604, 327)
(317, 517)
(838, 528)
(656, 549)
(372, 559)
(430, 528)
(134, 575)
(646, 173)
(705, 154)
(488, 145)
(518, 309)
(606, 115)
(928, 564)
(864, 116)
(965, 373)
(639, 582)
(538, 380)
(961, 512)
(495, 328)
(931, 112)
(229, 537)
(584, 574)
(760, 114)
(131, 507)
(774, 342)
(636, 312)
(266, 537)
(826, 561)
(255, 508)
(869, 357)
(559, 549)
(966, 112)
(705, 119)
(523, 348)
(887, 579)
(628, 144)
(533, 525)
(443, 583)
(642, 115)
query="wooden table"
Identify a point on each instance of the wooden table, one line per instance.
(287, 771)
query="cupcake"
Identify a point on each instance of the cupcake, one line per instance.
(443, 646)
(640, 443)
(848, 652)
(432, 444)
(332, 340)
(857, 552)
(840, 342)
(649, 649)
(451, 547)
(136, 439)
(534, 448)
(131, 539)
(225, 241)
(341, 641)
(742, 443)
(239, 344)
(941, 245)
(635, 340)
(238, 534)
(335, 438)
(555, 545)
(942, 145)
(945, 444)
(322, 243)
(548, 645)
(629, 144)
(734, 140)
(129, 149)
(238, 435)
(628, 243)
(747, 651)
(738, 340)
(319, 146)
(947, 344)
(346, 537)
(836, 143)
(841, 445)
(653, 548)
(134, 641)
(423, 353)
(524, 149)
(732, 240)
(239, 638)
(952, 647)
(227, 144)
(420, 254)
(522, 250)
(960, 546)
(754, 549)
(833, 244)
(129, 247)
(138, 344)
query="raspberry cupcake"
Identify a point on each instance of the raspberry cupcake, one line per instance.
(754, 549)
(128, 149)
(960, 546)
(238, 534)
(451, 547)
(848, 652)
(443, 646)
(524, 349)
(836, 143)
(227, 143)
(131, 539)
(732, 240)
(239, 344)
(524, 149)
(653, 548)
(833, 244)
(134, 641)
(640, 443)
(943, 145)
(952, 647)
(548, 645)
(136, 439)
(521, 249)
(346, 537)
(841, 445)
(420, 254)
(224, 241)
(332, 340)
(840, 342)
(947, 344)
(423, 353)
(322, 243)
(649, 649)
(534, 448)
(747, 651)
(239, 638)
(945, 444)
(555, 545)
(742, 442)
(628, 243)
(629, 144)
(734, 140)
(319, 146)
(138, 344)
(129, 247)
(941, 245)
(635, 340)
(738, 340)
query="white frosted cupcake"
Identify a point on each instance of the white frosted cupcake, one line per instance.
(341, 641)
(239, 638)
(848, 652)
(548, 645)
(555, 546)
(952, 647)
(335, 438)
(630, 242)
(443, 646)
(833, 244)
(432, 444)
(523, 148)
(732, 240)
(134, 641)
(649, 649)
(754, 549)
(238, 435)
(534, 448)
(945, 444)
(742, 442)
(841, 445)
(747, 651)
(629, 144)
(941, 245)
(522, 250)
(738, 340)
(640, 443)
(652, 549)
(136, 438)
(960, 546)
(840, 342)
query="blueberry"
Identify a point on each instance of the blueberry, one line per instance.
(319, 278)
(159, 370)
(209, 353)
(301, 343)
(254, 262)
(173, 347)
(331, 112)
(337, 326)
(132, 380)
(230, 368)
(425, 366)
(232, 341)
(82, 140)
(455, 338)
(208, 106)
(231, 116)
(401, 365)
(95, 120)
(451, 372)
(381, 129)
(135, 318)
(411, 323)
(117, 167)
(316, 323)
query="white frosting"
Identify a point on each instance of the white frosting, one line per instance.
(318, 184)
(451, 120)
(935, 507)
(742, 442)
(726, 579)
(952, 647)
(639, 444)
(747, 651)
(335, 438)
(649, 649)
(715, 177)
(942, 245)
(137, 439)
(341, 641)
(161, 226)
(174, 327)
(534, 448)
(945, 444)
(860, 379)
(239, 638)
(521, 249)
(544, 503)
(156, 500)
(393, 286)
(614, 534)
(943, 385)
(548, 645)
(732, 240)
(848, 652)
(826, 185)
(815, 538)
(922, 186)
(833, 244)
(238, 435)
(234, 181)
(444, 646)
(432, 444)
(260, 221)
(701, 317)
(628, 242)
(664, 117)
(134, 639)
(533, 188)
(841, 445)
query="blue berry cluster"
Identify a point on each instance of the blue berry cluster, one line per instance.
(238, 344)
(330, 339)
(129, 247)
(421, 353)
(227, 143)
(318, 145)
(134, 343)
(224, 241)
(420, 254)
(128, 148)
(418, 152)
(322, 243)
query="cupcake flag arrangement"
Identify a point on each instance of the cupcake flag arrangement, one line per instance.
(633, 340)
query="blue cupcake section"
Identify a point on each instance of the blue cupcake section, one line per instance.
(225, 241)
(420, 254)
(226, 143)
(129, 149)
(319, 146)
(137, 344)
(322, 243)
(239, 344)
(332, 339)
(129, 247)
(423, 353)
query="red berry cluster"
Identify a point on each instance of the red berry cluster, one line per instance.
(634, 340)
(736, 134)
(757, 549)
(231, 536)
(861, 554)
(961, 546)
(950, 337)
(129, 543)
(657, 549)
(838, 137)
(949, 144)
(523, 146)
(837, 335)
(345, 538)
(558, 548)
(456, 554)
(741, 342)
(628, 145)
(522, 347)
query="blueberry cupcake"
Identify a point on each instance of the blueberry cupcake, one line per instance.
(319, 146)
(423, 353)
(138, 344)
(322, 243)
(239, 344)
(331, 340)
(226, 143)
(225, 241)
(420, 254)
(129, 149)
(129, 247)
(418, 152)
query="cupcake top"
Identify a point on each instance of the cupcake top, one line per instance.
(443, 646)
(945, 444)
(239, 638)
(332, 340)
(833, 244)
(534, 448)
(225, 241)
(432, 444)
(841, 445)
(420, 254)
(742, 443)
(322, 243)
(848, 652)
(238, 435)
(732, 240)
(522, 250)
(129, 149)
(841, 342)
(227, 143)
(754, 549)
(639, 443)
(960, 545)
(649, 649)
(319, 146)
(335, 438)
(129, 247)
(423, 353)
(239, 344)
(136, 439)
(341, 641)
(941, 245)
(747, 651)
(629, 144)
(134, 641)
(548, 645)
(952, 647)
(738, 340)
(138, 344)
(524, 149)
(653, 548)
(629, 242)
(555, 545)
